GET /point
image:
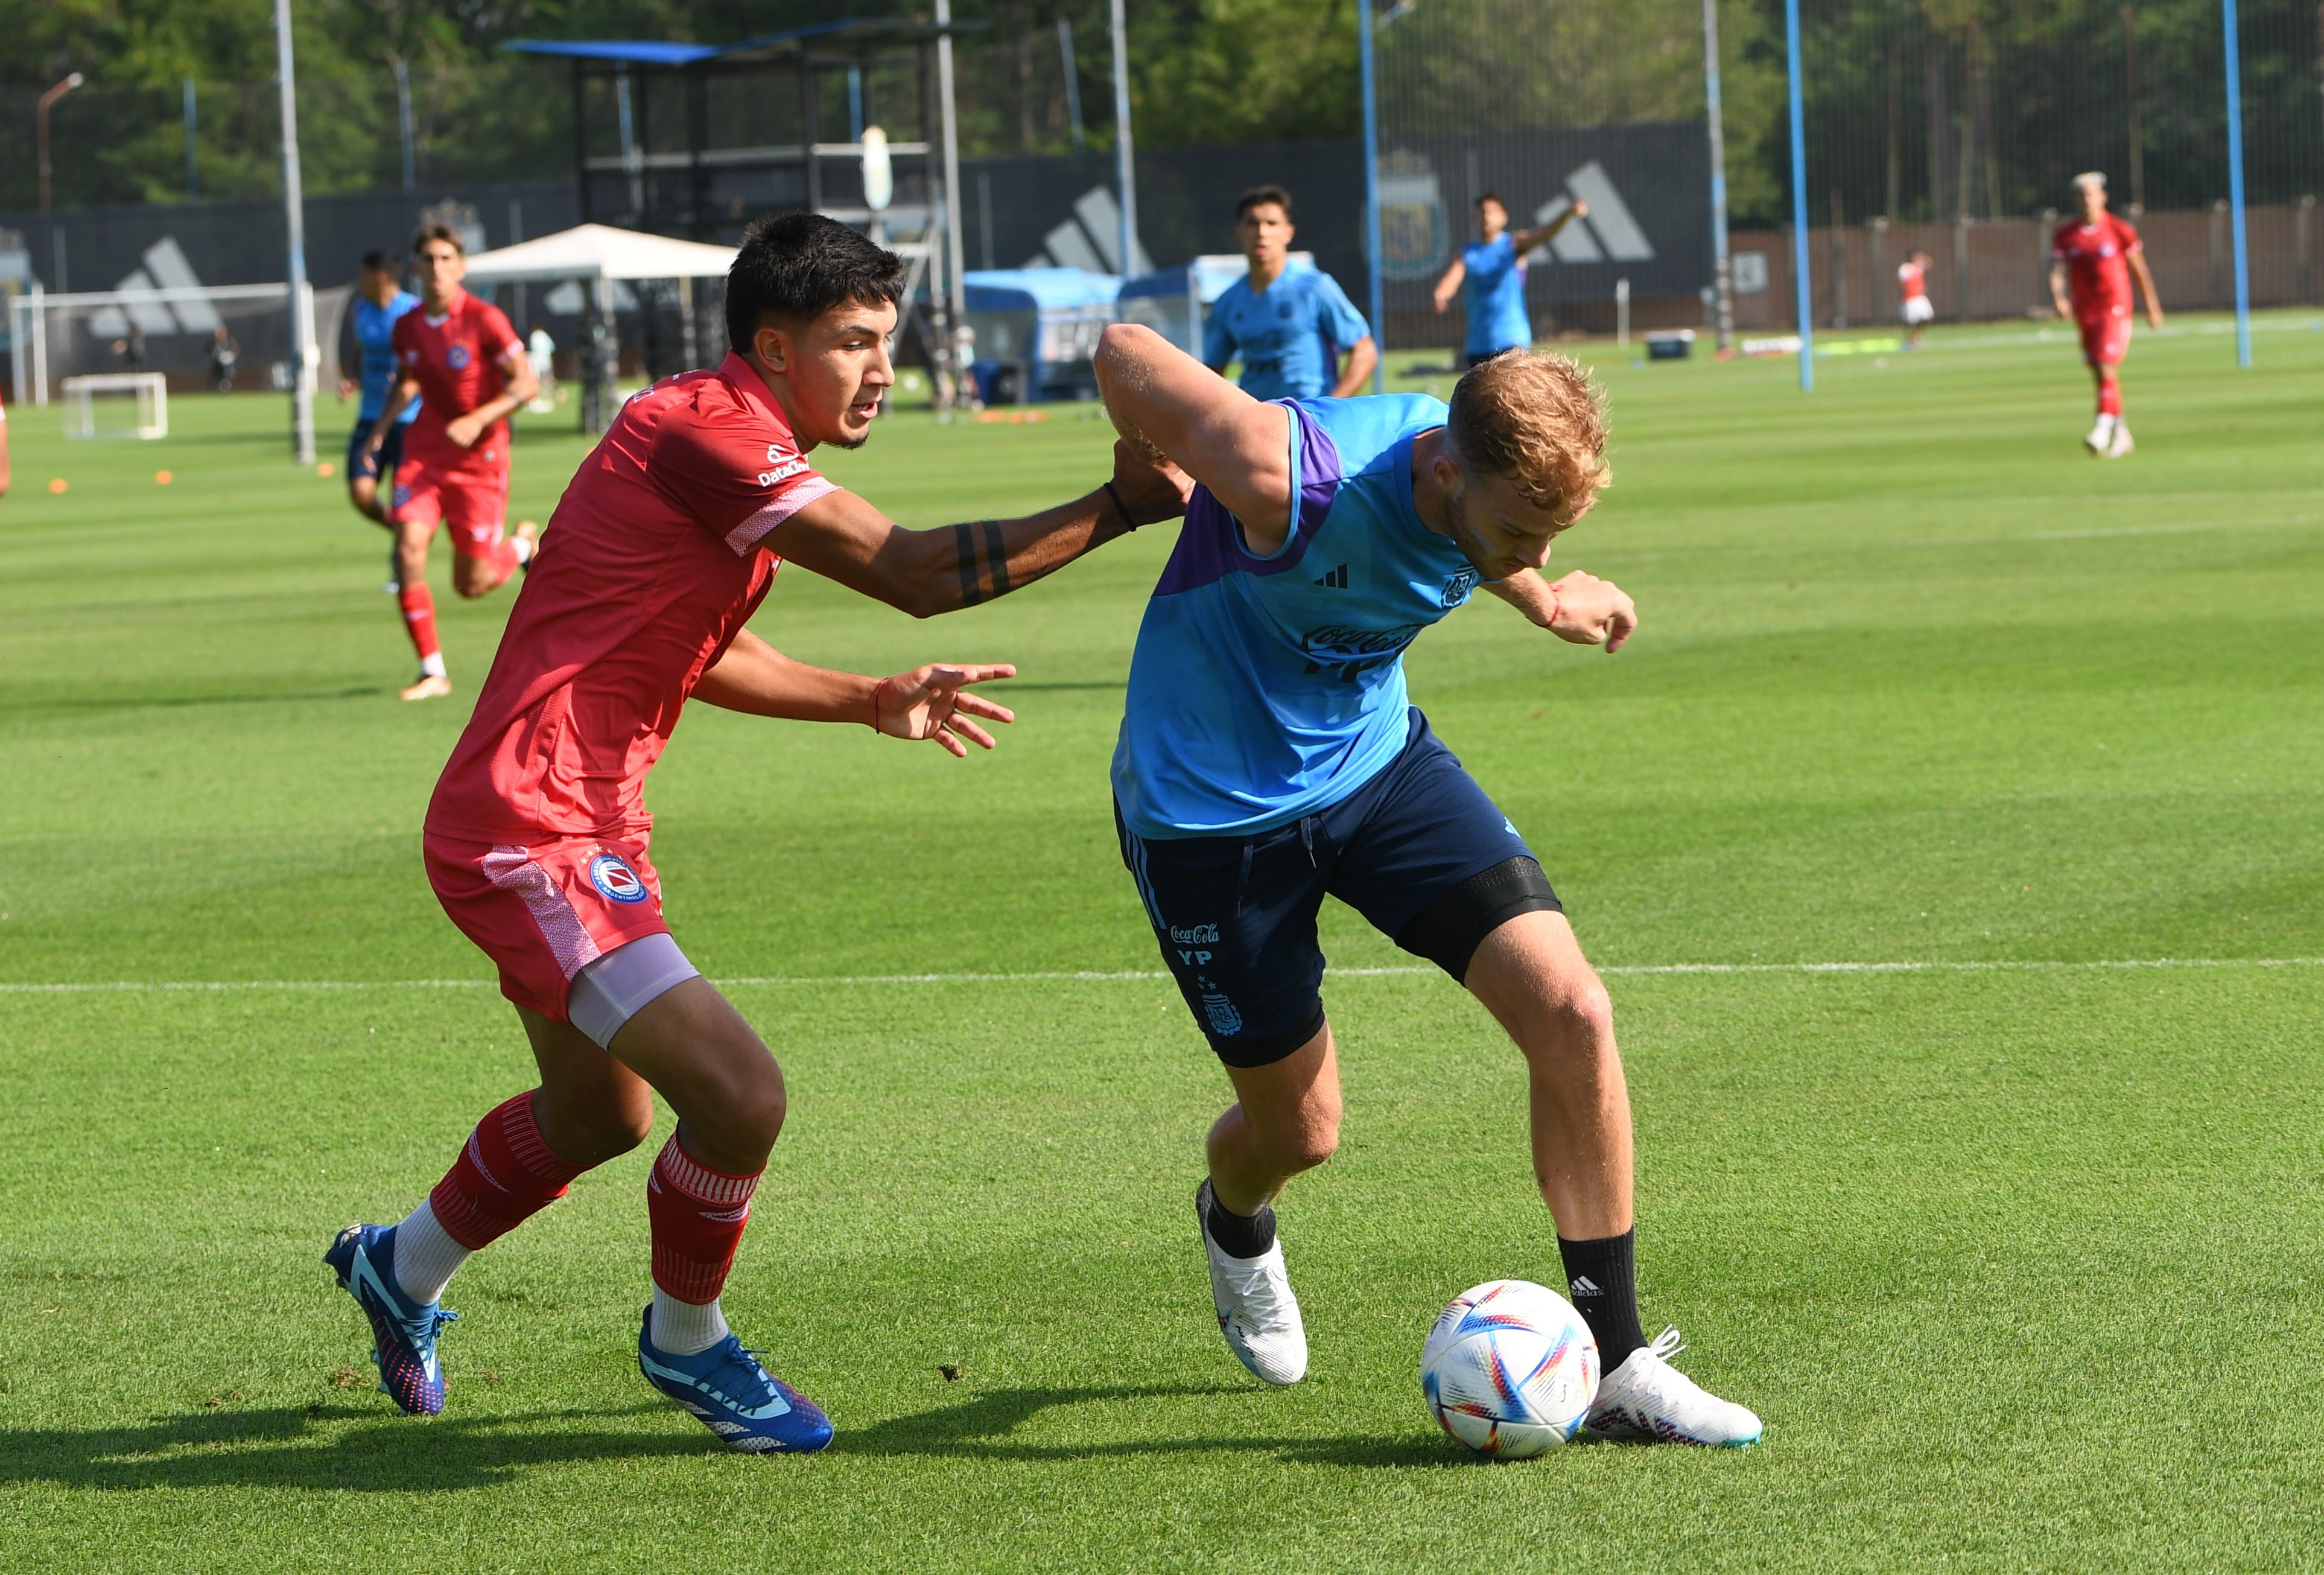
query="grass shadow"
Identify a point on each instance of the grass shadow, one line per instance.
(333, 1446)
(982, 1428)
(138, 703)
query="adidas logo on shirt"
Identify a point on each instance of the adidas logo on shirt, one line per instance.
(1337, 580)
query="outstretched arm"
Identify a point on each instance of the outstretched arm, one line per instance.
(927, 702)
(1581, 608)
(1166, 404)
(1526, 240)
(2138, 260)
(842, 537)
(1449, 285)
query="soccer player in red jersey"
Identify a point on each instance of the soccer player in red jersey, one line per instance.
(460, 353)
(537, 839)
(1912, 288)
(2099, 254)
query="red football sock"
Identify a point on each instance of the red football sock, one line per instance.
(697, 1216)
(2109, 396)
(504, 1175)
(420, 619)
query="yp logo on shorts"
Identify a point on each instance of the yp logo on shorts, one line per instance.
(615, 881)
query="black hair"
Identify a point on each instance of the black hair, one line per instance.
(1260, 194)
(1485, 197)
(437, 232)
(380, 260)
(799, 265)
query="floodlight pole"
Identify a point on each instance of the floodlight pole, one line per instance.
(2236, 181)
(956, 289)
(403, 121)
(1125, 168)
(1803, 293)
(1378, 294)
(193, 164)
(294, 216)
(1722, 272)
(1073, 80)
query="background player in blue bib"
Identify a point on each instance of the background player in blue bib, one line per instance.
(379, 299)
(1490, 276)
(1269, 756)
(1287, 326)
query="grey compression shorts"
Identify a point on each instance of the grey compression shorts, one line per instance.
(610, 991)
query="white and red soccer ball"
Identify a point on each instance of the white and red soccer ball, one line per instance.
(1509, 1369)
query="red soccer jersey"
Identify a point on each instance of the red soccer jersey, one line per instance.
(1913, 280)
(455, 360)
(2097, 258)
(650, 568)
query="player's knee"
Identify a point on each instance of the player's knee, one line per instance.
(745, 1112)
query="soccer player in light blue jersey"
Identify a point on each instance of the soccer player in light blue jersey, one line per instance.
(1491, 275)
(1289, 326)
(379, 299)
(1270, 755)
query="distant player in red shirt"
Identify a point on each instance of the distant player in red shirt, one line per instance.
(460, 357)
(1912, 288)
(2099, 254)
(537, 837)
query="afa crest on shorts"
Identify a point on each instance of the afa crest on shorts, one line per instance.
(615, 881)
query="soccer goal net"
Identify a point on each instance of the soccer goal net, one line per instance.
(196, 338)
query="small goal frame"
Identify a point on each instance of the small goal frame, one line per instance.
(152, 391)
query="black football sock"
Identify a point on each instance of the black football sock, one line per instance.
(1601, 1280)
(1240, 1235)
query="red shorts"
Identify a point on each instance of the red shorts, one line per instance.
(473, 496)
(546, 909)
(2106, 335)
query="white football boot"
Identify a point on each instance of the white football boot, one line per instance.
(2122, 444)
(1647, 1398)
(2100, 436)
(1257, 1311)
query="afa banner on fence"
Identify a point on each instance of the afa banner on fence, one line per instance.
(1646, 189)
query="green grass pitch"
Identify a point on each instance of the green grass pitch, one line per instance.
(2019, 1254)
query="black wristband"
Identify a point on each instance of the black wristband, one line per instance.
(1127, 518)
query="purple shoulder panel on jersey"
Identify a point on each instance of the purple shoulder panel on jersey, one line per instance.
(1210, 544)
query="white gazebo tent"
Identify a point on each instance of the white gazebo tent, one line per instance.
(597, 255)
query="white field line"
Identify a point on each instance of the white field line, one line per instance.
(135, 986)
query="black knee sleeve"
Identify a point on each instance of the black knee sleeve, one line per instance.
(1448, 931)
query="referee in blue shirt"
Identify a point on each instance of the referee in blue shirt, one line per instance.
(1288, 328)
(1491, 276)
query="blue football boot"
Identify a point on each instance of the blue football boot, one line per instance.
(403, 1332)
(748, 1408)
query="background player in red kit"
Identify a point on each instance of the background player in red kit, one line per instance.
(2099, 254)
(536, 838)
(460, 353)
(1912, 291)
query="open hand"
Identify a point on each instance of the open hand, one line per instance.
(1591, 611)
(1154, 488)
(932, 702)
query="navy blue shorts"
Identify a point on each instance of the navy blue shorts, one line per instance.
(1419, 850)
(362, 463)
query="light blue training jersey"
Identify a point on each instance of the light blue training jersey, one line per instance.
(1289, 338)
(374, 332)
(1496, 304)
(1264, 688)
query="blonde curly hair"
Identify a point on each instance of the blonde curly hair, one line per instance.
(1538, 419)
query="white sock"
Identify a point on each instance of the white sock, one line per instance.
(524, 546)
(425, 1257)
(432, 666)
(2105, 423)
(683, 1329)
